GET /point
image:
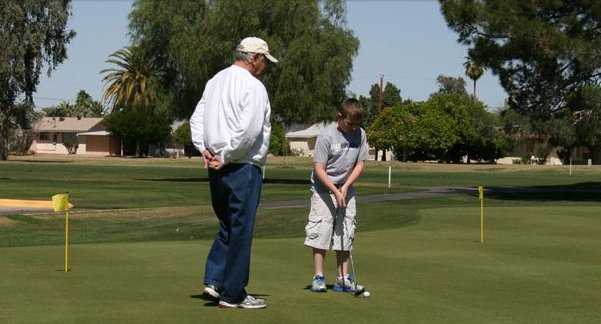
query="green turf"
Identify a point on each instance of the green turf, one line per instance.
(99, 186)
(421, 258)
(112, 184)
(539, 265)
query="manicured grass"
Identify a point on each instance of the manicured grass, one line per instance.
(98, 186)
(420, 258)
(137, 183)
(539, 265)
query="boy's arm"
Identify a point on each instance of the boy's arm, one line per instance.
(320, 171)
(357, 170)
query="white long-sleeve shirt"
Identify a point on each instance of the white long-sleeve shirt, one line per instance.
(232, 118)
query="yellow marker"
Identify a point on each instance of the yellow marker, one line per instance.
(481, 196)
(61, 203)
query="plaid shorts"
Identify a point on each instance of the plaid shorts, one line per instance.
(329, 227)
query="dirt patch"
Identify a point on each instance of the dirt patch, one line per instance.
(4, 221)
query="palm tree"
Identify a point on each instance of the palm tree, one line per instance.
(131, 82)
(473, 71)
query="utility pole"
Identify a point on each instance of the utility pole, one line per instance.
(381, 92)
(380, 110)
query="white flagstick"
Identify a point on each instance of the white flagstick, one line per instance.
(389, 176)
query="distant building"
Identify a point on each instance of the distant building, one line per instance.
(301, 139)
(73, 135)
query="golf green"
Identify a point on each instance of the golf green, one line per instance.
(538, 265)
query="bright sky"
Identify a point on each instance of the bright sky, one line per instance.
(406, 41)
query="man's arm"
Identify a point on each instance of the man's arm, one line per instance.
(197, 130)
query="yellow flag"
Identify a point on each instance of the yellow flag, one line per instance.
(480, 192)
(60, 202)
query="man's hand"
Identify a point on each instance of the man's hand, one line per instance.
(207, 157)
(215, 164)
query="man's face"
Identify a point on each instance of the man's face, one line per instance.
(259, 64)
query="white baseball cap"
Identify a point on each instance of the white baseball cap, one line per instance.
(255, 45)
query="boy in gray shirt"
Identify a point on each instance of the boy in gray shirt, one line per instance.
(340, 150)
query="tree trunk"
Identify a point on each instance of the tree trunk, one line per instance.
(3, 140)
(475, 97)
(596, 154)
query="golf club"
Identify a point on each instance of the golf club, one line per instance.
(358, 292)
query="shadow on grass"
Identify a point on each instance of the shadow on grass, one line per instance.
(44, 161)
(214, 302)
(585, 191)
(176, 179)
(268, 180)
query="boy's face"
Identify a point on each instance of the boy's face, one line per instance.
(347, 125)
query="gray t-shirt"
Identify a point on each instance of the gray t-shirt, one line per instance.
(339, 152)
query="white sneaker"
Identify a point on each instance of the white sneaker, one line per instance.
(212, 291)
(249, 302)
(318, 284)
(346, 285)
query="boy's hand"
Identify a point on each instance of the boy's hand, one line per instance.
(344, 192)
(340, 199)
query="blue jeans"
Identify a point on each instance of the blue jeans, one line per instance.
(235, 194)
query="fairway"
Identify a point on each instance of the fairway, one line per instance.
(141, 231)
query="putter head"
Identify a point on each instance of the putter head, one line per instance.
(359, 292)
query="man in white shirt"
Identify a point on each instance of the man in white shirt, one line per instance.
(231, 128)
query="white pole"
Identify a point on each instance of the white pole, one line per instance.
(570, 166)
(389, 175)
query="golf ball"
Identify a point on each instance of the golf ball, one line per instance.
(366, 294)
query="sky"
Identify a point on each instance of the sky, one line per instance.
(408, 42)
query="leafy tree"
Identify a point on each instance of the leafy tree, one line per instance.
(391, 95)
(448, 84)
(515, 123)
(382, 132)
(542, 51)
(191, 41)
(33, 34)
(138, 128)
(278, 145)
(472, 124)
(474, 71)
(369, 111)
(435, 132)
(84, 106)
(182, 135)
(563, 134)
(132, 82)
(587, 121)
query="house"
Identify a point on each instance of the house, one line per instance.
(73, 135)
(301, 140)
